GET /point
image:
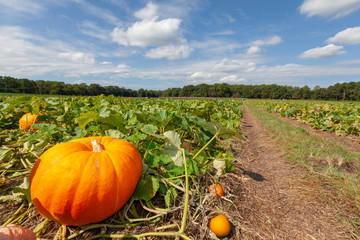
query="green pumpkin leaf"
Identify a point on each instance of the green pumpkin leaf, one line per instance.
(44, 127)
(172, 147)
(150, 145)
(152, 160)
(43, 118)
(103, 112)
(176, 171)
(174, 138)
(85, 118)
(24, 188)
(151, 130)
(229, 167)
(163, 115)
(170, 196)
(19, 193)
(146, 188)
(174, 153)
(114, 133)
(192, 167)
(5, 154)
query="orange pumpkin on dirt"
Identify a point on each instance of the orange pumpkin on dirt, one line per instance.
(15, 232)
(218, 190)
(85, 180)
(220, 225)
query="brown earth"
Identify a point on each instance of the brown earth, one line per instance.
(271, 198)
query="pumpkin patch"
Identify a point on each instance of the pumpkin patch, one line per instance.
(93, 187)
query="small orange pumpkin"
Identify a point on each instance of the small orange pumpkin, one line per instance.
(27, 120)
(218, 189)
(220, 225)
(85, 180)
(15, 232)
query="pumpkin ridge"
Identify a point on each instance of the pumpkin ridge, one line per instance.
(79, 182)
(126, 158)
(120, 152)
(117, 178)
(134, 160)
(134, 163)
(73, 185)
(127, 144)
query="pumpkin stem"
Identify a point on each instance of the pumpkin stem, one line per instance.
(96, 146)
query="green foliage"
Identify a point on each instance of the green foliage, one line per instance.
(159, 128)
(338, 117)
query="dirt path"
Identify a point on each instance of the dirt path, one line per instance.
(270, 200)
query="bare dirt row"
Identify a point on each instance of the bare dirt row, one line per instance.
(273, 199)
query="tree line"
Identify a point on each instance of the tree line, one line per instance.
(339, 91)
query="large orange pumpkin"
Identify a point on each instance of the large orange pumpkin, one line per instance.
(85, 180)
(27, 120)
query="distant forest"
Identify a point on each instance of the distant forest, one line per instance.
(339, 91)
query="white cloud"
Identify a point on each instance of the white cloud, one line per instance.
(328, 51)
(91, 29)
(226, 32)
(148, 12)
(234, 66)
(101, 13)
(23, 6)
(179, 9)
(25, 54)
(329, 8)
(273, 40)
(216, 46)
(105, 63)
(14, 32)
(171, 52)
(121, 68)
(148, 33)
(232, 79)
(78, 57)
(201, 75)
(101, 82)
(348, 36)
(253, 50)
(230, 18)
(255, 46)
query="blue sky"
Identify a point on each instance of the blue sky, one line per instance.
(173, 43)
